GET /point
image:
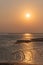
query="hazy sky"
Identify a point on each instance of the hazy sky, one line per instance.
(12, 16)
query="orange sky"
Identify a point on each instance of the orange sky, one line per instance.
(12, 16)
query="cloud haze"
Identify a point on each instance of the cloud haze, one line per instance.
(12, 17)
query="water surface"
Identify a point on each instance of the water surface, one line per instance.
(31, 52)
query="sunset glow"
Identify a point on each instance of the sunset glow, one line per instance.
(19, 16)
(28, 15)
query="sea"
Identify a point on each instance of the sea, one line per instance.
(14, 48)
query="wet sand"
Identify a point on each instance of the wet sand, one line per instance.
(18, 64)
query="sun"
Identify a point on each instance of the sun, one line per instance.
(27, 15)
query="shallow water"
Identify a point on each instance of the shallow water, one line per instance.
(31, 52)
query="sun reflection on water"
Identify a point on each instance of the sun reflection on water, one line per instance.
(27, 49)
(27, 36)
(28, 56)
